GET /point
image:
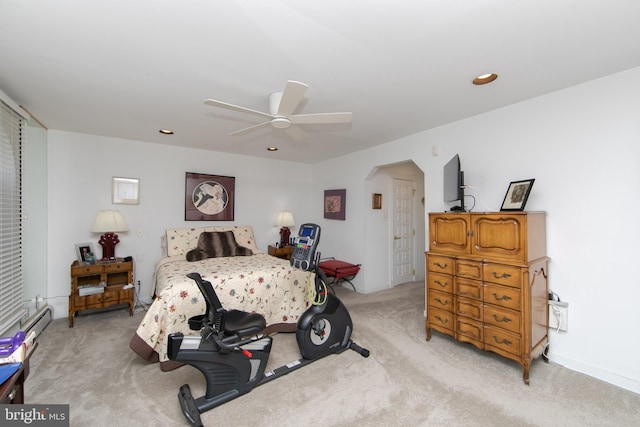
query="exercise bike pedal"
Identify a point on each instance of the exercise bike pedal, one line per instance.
(360, 350)
(188, 405)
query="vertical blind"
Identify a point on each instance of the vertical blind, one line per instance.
(11, 278)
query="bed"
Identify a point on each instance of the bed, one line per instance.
(255, 282)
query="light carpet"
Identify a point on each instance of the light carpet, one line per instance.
(406, 381)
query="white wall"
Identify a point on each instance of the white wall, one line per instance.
(582, 145)
(80, 171)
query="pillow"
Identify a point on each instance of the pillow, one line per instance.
(213, 244)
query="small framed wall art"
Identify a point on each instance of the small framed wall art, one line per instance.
(125, 191)
(517, 195)
(376, 201)
(335, 204)
(209, 197)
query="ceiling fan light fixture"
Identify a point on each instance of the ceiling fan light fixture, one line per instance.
(484, 79)
(281, 123)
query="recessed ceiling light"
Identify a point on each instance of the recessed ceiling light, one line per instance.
(166, 131)
(484, 79)
(272, 149)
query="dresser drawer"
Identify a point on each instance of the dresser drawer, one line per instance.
(468, 288)
(469, 328)
(499, 338)
(469, 308)
(441, 318)
(502, 317)
(440, 282)
(117, 266)
(508, 275)
(441, 300)
(469, 268)
(84, 270)
(502, 296)
(440, 264)
(123, 295)
(80, 302)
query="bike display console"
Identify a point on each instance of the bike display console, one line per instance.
(304, 247)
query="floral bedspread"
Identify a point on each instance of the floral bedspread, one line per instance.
(258, 283)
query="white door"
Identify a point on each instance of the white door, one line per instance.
(403, 269)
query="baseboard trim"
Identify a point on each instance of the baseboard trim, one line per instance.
(601, 374)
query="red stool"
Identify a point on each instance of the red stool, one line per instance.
(339, 271)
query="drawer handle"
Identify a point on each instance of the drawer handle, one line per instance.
(440, 301)
(443, 321)
(502, 298)
(504, 341)
(503, 276)
(504, 319)
(443, 266)
(438, 282)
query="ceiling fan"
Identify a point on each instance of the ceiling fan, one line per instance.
(282, 106)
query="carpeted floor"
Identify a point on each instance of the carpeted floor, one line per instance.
(405, 382)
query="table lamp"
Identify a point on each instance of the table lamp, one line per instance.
(109, 223)
(285, 220)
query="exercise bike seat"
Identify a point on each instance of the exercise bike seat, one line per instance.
(242, 323)
(228, 322)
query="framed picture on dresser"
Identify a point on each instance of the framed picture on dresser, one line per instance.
(517, 195)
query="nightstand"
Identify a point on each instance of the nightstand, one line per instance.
(86, 277)
(284, 253)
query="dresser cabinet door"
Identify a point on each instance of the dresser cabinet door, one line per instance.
(502, 236)
(449, 233)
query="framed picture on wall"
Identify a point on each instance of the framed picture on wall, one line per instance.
(517, 195)
(376, 201)
(335, 204)
(209, 197)
(125, 191)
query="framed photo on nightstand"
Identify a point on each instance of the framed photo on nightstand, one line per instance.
(85, 253)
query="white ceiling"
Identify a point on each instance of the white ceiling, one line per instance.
(127, 68)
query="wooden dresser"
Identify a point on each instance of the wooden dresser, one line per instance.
(114, 275)
(487, 282)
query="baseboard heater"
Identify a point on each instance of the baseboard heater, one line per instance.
(38, 321)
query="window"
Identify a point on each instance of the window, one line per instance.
(12, 125)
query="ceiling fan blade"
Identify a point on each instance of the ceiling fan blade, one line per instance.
(249, 129)
(321, 118)
(291, 97)
(228, 106)
(297, 134)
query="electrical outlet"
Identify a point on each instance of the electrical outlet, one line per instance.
(558, 315)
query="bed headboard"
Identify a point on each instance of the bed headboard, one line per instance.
(182, 240)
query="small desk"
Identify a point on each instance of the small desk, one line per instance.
(12, 390)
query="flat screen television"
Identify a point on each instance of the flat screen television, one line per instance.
(454, 183)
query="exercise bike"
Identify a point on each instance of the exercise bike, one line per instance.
(231, 352)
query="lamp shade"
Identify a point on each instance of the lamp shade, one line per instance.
(109, 221)
(285, 219)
